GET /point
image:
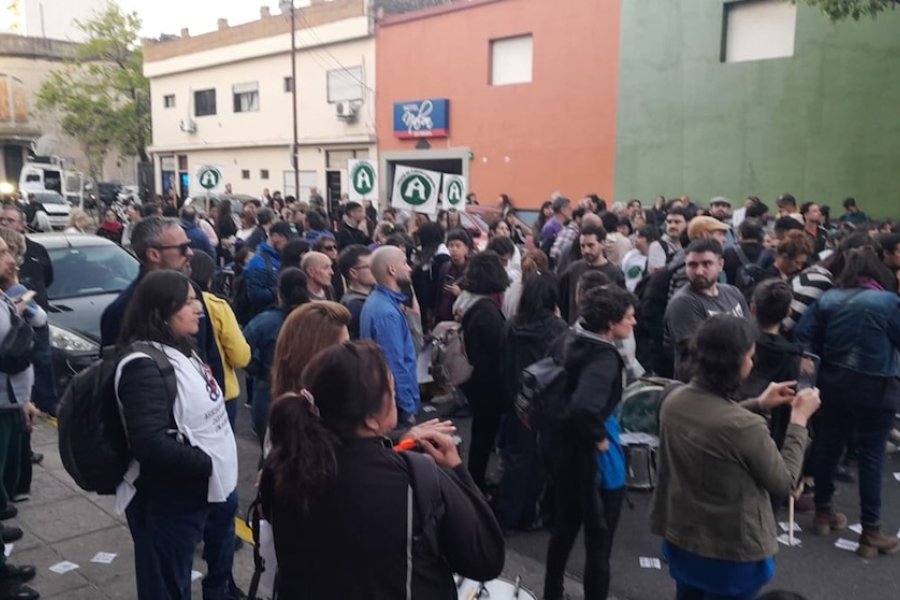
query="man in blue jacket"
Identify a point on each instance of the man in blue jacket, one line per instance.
(261, 273)
(383, 319)
(198, 238)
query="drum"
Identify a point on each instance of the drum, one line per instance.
(497, 589)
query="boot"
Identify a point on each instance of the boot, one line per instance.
(827, 521)
(872, 543)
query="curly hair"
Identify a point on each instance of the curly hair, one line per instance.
(485, 274)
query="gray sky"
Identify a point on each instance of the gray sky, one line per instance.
(200, 16)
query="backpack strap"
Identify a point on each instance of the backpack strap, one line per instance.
(741, 255)
(259, 563)
(426, 492)
(162, 363)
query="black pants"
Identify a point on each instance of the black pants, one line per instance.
(486, 416)
(577, 502)
(524, 481)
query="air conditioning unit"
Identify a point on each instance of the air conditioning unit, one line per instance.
(346, 110)
(187, 126)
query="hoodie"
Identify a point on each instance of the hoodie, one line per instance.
(525, 344)
(595, 374)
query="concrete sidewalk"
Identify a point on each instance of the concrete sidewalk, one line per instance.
(61, 522)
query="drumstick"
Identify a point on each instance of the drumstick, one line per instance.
(404, 445)
(791, 520)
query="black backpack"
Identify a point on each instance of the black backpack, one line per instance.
(93, 444)
(18, 349)
(543, 395)
(748, 275)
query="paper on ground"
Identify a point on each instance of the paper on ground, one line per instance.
(63, 567)
(650, 563)
(897, 476)
(195, 575)
(846, 545)
(7, 550)
(856, 528)
(786, 540)
(785, 525)
(104, 558)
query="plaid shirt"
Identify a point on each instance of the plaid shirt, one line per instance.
(564, 240)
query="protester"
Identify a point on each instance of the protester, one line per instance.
(575, 451)
(342, 503)
(197, 237)
(319, 272)
(478, 309)
(593, 258)
(562, 246)
(695, 303)
(562, 212)
(383, 320)
(636, 261)
(260, 274)
(316, 226)
(79, 222)
(718, 465)
(329, 247)
(791, 255)
(232, 346)
(293, 252)
(813, 220)
(666, 248)
(110, 228)
(459, 246)
(526, 338)
(175, 493)
(429, 262)
(262, 334)
(852, 216)
(350, 232)
(855, 329)
(544, 215)
(505, 249)
(355, 265)
(746, 251)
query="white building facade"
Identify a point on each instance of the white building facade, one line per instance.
(224, 99)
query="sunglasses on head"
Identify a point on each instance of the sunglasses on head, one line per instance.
(183, 248)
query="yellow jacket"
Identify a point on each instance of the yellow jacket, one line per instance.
(233, 348)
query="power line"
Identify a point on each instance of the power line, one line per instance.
(322, 47)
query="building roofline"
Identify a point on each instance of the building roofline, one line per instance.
(434, 11)
(20, 46)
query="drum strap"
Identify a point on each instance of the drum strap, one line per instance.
(409, 541)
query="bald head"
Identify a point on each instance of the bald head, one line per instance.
(317, 268)
(591, 219)
(390, 268)
(313, 260)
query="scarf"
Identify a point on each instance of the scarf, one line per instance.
(465, 301)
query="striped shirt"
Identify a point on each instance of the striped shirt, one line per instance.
(807, 286)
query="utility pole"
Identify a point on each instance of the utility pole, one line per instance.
(295, 158)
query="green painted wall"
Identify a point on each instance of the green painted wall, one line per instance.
(823, 125)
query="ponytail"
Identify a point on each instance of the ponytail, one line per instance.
(302, 460)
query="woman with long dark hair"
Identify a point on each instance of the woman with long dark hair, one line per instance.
(544, 215)
(431, 256)
(855, 329)
(718, 466)
(478, 309)
(180, 486)
(262, 334)
(352, 518)
(526, 338)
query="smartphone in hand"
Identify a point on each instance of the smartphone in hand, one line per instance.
(809, 371)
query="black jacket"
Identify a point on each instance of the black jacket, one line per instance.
(482, 327)
(525, 344)
(352, 543)
(165, 462)
(594, 378)
(733, 262)
(347, 236)
(36, 272)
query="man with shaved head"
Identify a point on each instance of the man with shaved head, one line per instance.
(319, 272)
(383, 320)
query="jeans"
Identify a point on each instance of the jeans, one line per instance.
(841, 415)
(12, 426)
(43, 393)
(577, 502)
(485, 426)
(686, 592)
(231, 411)
(166, 528)
(26, 469)
(259, 411)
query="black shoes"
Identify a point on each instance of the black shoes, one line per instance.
(10, 534)
(15, 591)
(37, 458)
(19, 573)
(9, 513)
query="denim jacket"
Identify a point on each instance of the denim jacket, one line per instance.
(857, 329)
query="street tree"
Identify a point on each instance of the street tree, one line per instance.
(101, 95)
(841, 9)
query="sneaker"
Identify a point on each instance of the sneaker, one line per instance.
(9, 513)
(21, 497)
(20, 573)
(12, 590)
(827, 521)
(872, 543)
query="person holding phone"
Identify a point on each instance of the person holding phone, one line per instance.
(855, 328)
(718, 466)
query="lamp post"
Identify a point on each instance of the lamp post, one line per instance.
(295, 159)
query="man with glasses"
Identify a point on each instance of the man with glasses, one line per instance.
(329, 247)
(354, 263)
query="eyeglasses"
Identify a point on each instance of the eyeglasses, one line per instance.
(183, 248)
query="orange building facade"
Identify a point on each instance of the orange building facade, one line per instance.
(511, 127)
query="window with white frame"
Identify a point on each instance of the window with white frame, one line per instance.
(307, 183)
(346, 84)
(758, 30)
(246, 97)
(512, 60)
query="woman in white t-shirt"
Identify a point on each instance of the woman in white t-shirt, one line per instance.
(179, 489)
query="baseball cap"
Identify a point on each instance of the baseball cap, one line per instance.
(700, 225)
(720, 200)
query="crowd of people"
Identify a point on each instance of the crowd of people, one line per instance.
(330, 317)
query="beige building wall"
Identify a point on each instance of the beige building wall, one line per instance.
(246, 145)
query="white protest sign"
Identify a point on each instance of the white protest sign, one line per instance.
(453, 191)
(363, 175)
(210, 178)
(416, 190)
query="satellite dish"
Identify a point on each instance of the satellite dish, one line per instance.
(46, 145)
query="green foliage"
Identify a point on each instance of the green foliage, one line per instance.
(841, 9)
(101, 95)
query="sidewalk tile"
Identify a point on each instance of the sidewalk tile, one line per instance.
(64, 519)
(82, 549)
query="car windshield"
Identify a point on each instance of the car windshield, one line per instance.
(470, 221)
(90, 270)
(50, 199)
